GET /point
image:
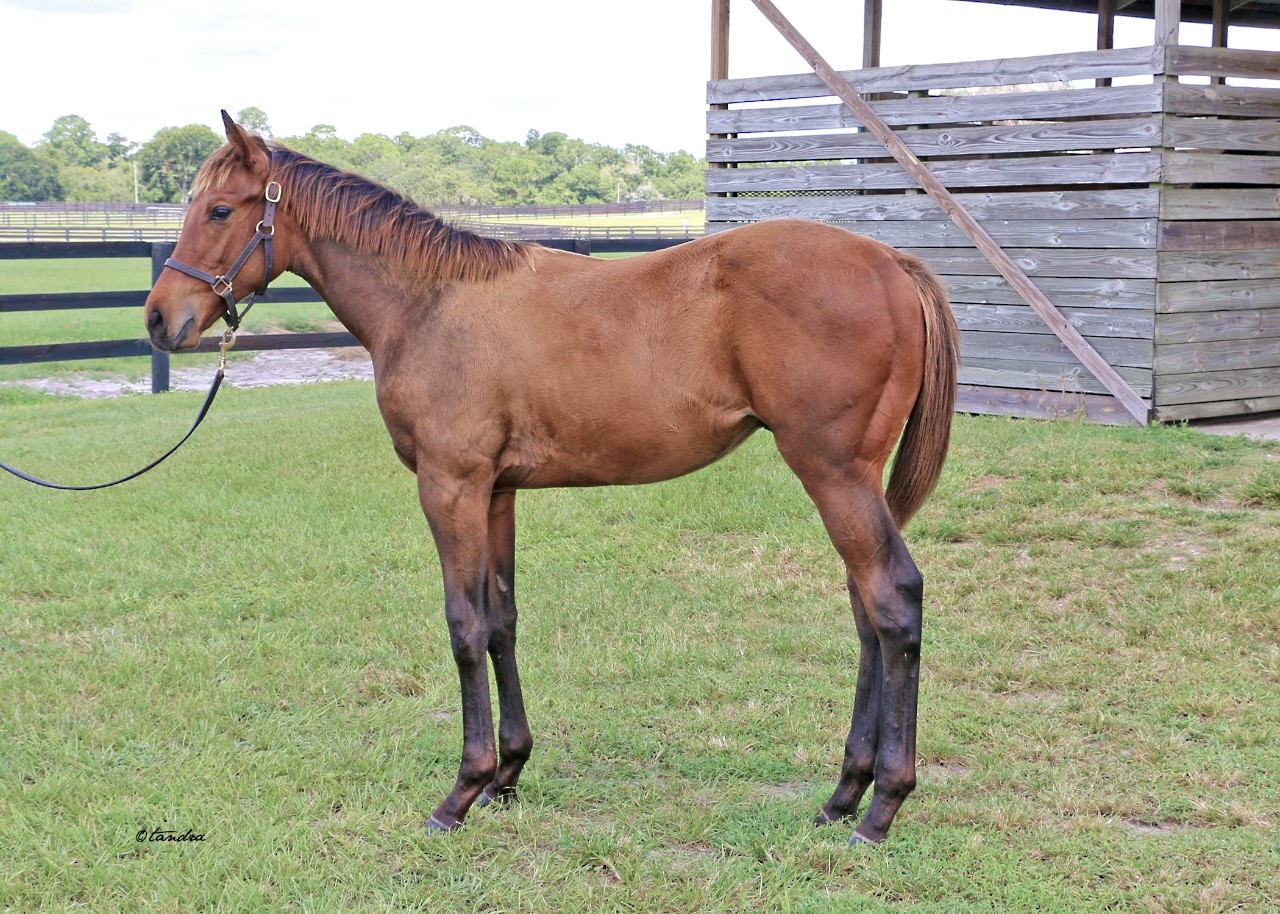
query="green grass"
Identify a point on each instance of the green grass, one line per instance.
(249, 643)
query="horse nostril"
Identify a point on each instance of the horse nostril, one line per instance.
(155, 320)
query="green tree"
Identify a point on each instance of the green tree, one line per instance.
(71, 141)
(168, 163)
(119, 148)
(24, 175)
(254, 119)
(97, 184)
(322, 142)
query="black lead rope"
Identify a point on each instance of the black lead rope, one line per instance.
(204, 410)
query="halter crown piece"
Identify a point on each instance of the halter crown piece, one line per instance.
(222, 285)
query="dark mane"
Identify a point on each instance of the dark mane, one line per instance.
(335, 205)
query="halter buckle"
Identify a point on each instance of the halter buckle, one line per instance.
(225, 283)
(273, 191)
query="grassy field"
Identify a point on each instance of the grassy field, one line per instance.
(248, 645)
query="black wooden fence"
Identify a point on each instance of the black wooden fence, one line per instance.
(158, 252)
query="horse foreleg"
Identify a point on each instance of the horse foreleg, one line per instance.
(515, 742)
(458, 516)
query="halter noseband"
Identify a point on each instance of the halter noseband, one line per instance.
(221, 285)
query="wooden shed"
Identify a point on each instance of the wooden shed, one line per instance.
(1135, 189)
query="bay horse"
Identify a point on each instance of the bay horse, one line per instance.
(502, 366)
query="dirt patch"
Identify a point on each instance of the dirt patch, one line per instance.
(291, 366)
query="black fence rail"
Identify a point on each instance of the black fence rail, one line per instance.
(160, 251)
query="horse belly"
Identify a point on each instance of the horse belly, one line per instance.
(622, 449)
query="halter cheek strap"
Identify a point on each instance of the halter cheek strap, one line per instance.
(222, 285)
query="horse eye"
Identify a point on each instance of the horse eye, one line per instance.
(219, 213)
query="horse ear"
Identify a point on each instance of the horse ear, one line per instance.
(249, 152)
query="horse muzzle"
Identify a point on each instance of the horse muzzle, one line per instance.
(172, 335)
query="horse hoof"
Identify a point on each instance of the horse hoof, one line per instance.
(856, 839)
(504, 797)
(436, 827)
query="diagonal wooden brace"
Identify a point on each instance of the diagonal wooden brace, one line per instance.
(1013, 274)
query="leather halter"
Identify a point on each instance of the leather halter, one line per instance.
(263, 235)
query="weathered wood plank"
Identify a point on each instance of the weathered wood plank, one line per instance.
(1001, 139)
(1116, 203)
(1186, 266)
(1227, 355)
(1033, 348)
(1106, 168)
(1219, 168)
(1178, 412)
(1065, 292)
(1091, 322)
(1217, 295)
(1208, 326)
(1041, 404)
(1014, 71)
(1206, 387)
(1185, 60)
(1219, 203)
(1041, 262)
(1222, 133)
(1245, 235)
(1060, 377)
(948, 109)
(1127, 234)
(1230, 101)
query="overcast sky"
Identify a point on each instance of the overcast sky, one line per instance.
(604, 71)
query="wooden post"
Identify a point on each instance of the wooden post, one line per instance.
(1221, 25)
(719, 60)
(1106, 33)
(872, 22)
(1013, 274)
(719, 39)
(160, 252)
(1168, 15)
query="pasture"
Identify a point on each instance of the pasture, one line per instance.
(248, 645)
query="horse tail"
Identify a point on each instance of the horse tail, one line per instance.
(923, 447)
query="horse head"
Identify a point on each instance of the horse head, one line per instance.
(215, 263)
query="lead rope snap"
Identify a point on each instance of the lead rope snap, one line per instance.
(228, 340)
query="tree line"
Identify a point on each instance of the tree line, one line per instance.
(454, 167)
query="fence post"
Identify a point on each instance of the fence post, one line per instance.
(160, 252)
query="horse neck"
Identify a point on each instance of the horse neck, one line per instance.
(368, 297)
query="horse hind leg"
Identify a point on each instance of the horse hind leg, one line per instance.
(858, 770)
(886, 592)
